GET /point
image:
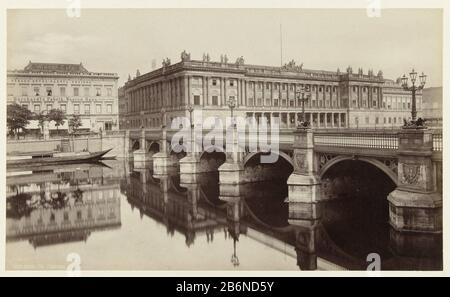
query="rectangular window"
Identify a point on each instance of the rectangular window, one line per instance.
(259, 85)
(259, 102)
(87, 109)
(267, 86)
(63, 108)
(62, 91)
(196, 100)
(395, 120)
(250, 101)
(215, 100)
(275, 102)
(283, 102)
(109, 92)
(109, 108)
(76, 108)
(49, 107)
(376, 120)
(354, 89)
(36, 91)
(231, 83)
(214, 82)
(284, 87)
(268, 103)
(291, 103)
(374, 103)
(98, 92)
(48, 91)
(98, 108)
(76, 92)
(24, 91)
(37, 108)
(292, 87)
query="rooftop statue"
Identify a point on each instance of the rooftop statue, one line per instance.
(185, 56)
(240, 61)
(291, 66)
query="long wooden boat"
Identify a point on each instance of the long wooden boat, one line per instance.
(46, 158)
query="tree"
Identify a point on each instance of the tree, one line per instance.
(41, 118)
(75, 122)
(58, 116)
(18, 118)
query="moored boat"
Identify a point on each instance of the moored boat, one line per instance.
(46, 158)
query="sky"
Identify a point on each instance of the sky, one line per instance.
(124, 40)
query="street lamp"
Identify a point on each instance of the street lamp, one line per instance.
(190, 108)
(232, 106)
(413, 89)
(301, 97)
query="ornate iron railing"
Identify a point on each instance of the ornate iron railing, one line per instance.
(373, 140)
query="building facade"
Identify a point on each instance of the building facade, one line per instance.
(70, 88)
(335, 99)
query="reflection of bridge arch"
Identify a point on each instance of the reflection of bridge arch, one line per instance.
(281, 154)
(378, 164)
(285, 229)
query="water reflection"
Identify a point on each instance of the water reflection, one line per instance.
(163, 223)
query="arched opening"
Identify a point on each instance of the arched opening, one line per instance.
(257, 169)
(211, 161)
(266, 189)
(136, 145)
(356, 214)
(153, 148)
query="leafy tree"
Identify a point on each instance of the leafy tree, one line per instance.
(58, 116)
(18, 118)
(75, 122)
(41, 117)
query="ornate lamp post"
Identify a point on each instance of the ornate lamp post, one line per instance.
(413, 89)
(302, 98)
(232, 106)
(190, 108)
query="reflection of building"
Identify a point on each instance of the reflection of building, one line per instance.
(337, 99)
(432, 106)
(69, 87)
(87, 204)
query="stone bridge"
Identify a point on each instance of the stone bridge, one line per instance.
(411, 158)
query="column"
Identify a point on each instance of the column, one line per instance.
(204, 97)
(186, 90)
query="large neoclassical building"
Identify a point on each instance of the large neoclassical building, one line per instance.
(69, 87)
(335, 98)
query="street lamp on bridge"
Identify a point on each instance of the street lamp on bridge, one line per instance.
(413, 89)
(302, 98)
(232, 106)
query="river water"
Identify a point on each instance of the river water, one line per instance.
(109, 216)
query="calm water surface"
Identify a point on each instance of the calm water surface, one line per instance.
(119, 218)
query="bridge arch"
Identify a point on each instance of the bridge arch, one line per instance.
(281, 154)
(378, 164)
(135, 145)
(153, 147)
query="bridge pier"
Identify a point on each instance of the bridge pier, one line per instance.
(415, 205)
(304, 186)
(162, 162)
(190, 164)
(232, 171)
(141, 157)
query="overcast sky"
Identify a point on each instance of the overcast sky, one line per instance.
(124, 40)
